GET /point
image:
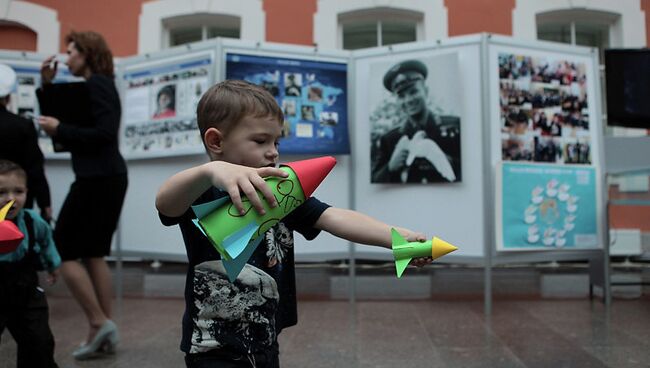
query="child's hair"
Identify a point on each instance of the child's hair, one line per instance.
(9, 167)
(226, 103)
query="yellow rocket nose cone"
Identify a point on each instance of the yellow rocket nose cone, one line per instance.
(440, 247)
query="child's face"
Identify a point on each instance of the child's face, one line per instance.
(164, 100)
(13, 187)
(253, 142)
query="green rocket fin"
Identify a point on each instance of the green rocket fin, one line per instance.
(397, 238)
(400, 266)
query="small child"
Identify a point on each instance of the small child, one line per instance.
(236, 324)
(23, 307)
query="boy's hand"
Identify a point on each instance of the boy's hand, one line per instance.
(419, 262)
(237, 179)
(419, 237)
(52, 277)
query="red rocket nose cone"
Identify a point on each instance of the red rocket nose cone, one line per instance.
(10, 237)
(312, 172)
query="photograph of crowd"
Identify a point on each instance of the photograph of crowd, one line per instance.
(544, 115)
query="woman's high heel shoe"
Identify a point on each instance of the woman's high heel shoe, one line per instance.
(106, 334)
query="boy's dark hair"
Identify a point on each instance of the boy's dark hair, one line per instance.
(227, 103)
(95, 49)
(9, 167)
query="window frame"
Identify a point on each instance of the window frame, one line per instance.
(203, 21)
(377, 16)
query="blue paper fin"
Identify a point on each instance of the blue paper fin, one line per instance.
(234, 267)
(196, 222)
(235, 243)
(202, 210)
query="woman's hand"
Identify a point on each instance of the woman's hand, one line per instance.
(48, 69)
(49, 124)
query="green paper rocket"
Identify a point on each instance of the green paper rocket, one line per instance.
(235, 236)
(404, 251)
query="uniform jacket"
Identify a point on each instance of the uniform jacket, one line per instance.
(442, 129)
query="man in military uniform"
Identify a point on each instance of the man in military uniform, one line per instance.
(424, 147)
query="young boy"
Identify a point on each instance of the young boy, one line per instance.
(23, 307)
(236, 324)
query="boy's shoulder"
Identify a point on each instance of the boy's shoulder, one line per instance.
(34, 217)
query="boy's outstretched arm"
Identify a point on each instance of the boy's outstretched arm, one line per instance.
(360, 228)
(178, 192)
(363, 229)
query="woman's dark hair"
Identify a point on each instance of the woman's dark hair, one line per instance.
(95, 49)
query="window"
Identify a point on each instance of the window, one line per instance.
(575, 31)
(582, 28)
(377, 27)
(186, 29)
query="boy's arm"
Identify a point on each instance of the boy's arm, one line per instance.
(49, 256)
(360, 228)
(178, 193)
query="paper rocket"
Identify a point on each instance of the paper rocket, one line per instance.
(404, 251)
(10, 235)
(235, 236)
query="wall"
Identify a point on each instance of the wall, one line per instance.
(116, 20)
(475, 16)
(290, 21)
(17, 38)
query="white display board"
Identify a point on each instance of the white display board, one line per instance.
(544, 109)
(452, 211)
(462, 83)
(141, 233)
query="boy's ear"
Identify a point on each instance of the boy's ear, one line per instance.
(213, 140)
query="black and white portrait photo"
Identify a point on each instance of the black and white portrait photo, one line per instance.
(415, 122)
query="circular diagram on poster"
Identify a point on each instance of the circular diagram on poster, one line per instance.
(551, 214)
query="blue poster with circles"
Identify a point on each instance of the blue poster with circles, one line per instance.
(312, 94)
(547, 207)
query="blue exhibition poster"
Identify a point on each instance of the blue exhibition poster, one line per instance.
(548, 207)
(312, 95)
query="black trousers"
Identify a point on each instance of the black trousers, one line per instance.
(224, 359)
(24, 312)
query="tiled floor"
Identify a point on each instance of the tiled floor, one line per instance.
(521, 332)
(539, 333)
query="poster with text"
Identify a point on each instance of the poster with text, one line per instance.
(544, 110)
(547, 207)
(311, 93)
(160, 102)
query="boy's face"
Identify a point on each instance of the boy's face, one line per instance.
(253, 142)
(13, 187)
